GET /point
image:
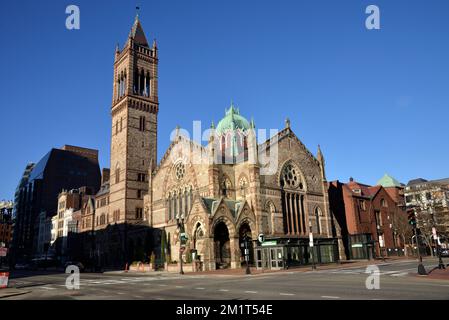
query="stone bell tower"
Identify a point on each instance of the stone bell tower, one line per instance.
(134, 112)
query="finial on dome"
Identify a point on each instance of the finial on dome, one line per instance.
(287, 123)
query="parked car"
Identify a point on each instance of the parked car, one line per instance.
(22, 266)
(74, 263)
(43, 263)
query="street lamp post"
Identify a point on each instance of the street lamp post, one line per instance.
(245, 241)
(180, 220)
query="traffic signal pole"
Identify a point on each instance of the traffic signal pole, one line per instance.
(412, 221)
(421, 270)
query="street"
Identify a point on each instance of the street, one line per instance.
(398, 280)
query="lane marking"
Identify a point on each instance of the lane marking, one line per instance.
(250, 291)
(162, 285)
(286, 294)
(179, 286)
(330, 297)
(47, 288)
(400, 274)
(223, 290)
(199, 288)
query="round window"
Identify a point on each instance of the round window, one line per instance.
(180, 170)
(290, 177)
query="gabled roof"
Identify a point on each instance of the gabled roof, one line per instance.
(212, 204)
(285, 133)
(354, 186)
(138, 34)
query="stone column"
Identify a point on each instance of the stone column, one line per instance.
(209, 254)
(297, 212)
(292, 213)
(235, 252)
(287, 208)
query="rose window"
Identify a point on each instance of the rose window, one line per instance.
(291, 178)
(180, 170)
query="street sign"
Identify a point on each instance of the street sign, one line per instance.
(357, 245)
(261, 237)
(3, 252)
(381, 241)
(4, 276)
(310, 239)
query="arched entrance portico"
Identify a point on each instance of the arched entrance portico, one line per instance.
(222, 246)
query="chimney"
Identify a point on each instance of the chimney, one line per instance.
(105, 175)
(351, 179)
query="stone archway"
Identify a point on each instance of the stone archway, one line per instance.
(245, 231)
(222, 246)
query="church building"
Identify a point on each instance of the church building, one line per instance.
(211, 201)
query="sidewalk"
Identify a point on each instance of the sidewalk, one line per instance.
(255, 271)
(438, 274)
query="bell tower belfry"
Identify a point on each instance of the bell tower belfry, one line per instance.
(134, 113)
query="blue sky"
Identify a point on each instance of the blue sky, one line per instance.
(376, 101)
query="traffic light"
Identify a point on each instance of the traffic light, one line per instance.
(412, 219)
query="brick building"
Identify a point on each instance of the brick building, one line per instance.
(369, 216)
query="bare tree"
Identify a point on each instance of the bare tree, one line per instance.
(431, 212)
(402, 228)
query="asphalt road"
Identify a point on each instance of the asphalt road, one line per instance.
(398, 280)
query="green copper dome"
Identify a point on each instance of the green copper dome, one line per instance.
(388, 182)
(232, 121)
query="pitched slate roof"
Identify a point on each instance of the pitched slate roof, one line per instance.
(138, 34)
(211, 204)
